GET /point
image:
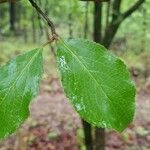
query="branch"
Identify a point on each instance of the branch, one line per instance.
(117, 20)
(107, 14)
(132, 9)
(49, 22)
(116, 9)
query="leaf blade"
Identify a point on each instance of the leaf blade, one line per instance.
(19, 82)
(87, 65)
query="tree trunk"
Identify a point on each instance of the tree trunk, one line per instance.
(144, 25)
(110, 33)
(70, 25)
(12, 14)
(25, 30)
(107, 14)
(86, 126)
(33, 28)
(97, 21)
(19, 15)
(86, 26)
(99, 132)
(87, 135)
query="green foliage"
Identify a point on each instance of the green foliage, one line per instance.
(19, 82)
(97, 83)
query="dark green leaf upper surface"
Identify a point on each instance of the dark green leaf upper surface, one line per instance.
(19, 82)
(97, 83)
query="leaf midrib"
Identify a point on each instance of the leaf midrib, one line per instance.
(80, 62)
(19, 76)
(85, 68)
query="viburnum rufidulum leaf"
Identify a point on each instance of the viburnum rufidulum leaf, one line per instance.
(19, 83)
(97, 83)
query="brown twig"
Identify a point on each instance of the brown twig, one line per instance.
(51, 39)
(45, 17)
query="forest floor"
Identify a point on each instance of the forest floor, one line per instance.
(54, 124)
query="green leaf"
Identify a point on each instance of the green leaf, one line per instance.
(19, 82)
(97, 83)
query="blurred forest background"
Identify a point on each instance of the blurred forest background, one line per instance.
(54, 124)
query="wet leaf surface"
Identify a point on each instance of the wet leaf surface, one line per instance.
(97, 83)
(19, 83)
